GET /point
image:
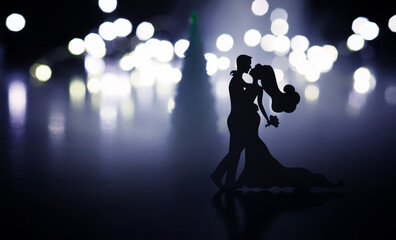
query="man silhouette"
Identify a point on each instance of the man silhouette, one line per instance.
(236, 125)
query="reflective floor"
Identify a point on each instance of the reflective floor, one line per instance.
(70, 172)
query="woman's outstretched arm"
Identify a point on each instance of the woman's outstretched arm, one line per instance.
(260, 103)
(272, 120)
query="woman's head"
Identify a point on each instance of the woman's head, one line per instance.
(281, 101)
(261, 71)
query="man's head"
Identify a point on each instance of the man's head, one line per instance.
(243, 63)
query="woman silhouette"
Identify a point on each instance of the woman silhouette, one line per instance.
(261, 168)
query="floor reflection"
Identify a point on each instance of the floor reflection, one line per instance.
(258, 210)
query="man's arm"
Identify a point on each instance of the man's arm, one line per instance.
(245, 84)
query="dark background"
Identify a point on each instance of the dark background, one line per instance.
(51, 24)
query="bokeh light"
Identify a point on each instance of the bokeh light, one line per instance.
(281, 45)
(122, 27)
(296, 58)
(76, 46)
(331, 51)
(392, 23)
(77, 91)
(279, 27)
(223, 63)
(149, 49)
(364, 81)
(311, 74)
(322, 58)
(211, 63)
(107, 31)
(259, 7)
(166, 76)
(164, 51)
(94, 66)
(181, 47)
(278, 13)
(93, 85)
(314, 51)
(107, 6)
(147, 76)
(357, 23)
(369, 30)
(17, 103)
(145, 31)
(113, 85)
(127, 62)
(142, 54)
(175, 75)
(299, 43)
(355, 42)
(252, 37)
(224, 42)
(302, 65)
(311, 93)
(95, 45)
(267, 42)
(42, 72)
(15, 22)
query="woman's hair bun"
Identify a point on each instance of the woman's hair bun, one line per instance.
(289, 89)
(286, 102)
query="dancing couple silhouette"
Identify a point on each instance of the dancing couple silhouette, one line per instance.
(261, 168)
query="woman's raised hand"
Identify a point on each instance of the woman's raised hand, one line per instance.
(273, 120)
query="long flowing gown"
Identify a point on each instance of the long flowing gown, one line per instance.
(261, 168)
